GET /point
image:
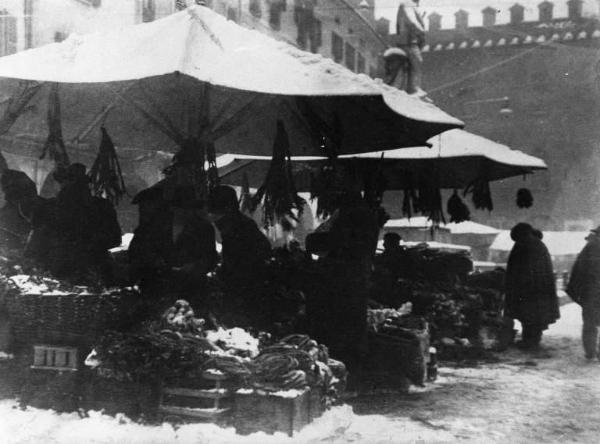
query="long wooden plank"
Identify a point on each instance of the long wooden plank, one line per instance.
(193, 413)
(196, 393)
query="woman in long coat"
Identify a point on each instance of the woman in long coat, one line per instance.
(530, 288)
(584, 288)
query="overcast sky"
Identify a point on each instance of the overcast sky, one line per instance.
(447, 8)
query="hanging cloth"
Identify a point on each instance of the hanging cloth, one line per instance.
(55, 145)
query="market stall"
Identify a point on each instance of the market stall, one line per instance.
(196, 84)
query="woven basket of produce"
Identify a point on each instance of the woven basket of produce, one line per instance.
(395, 354)
(70, 318)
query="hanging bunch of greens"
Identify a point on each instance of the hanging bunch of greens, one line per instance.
(247, 204)
(278, 193)
(194, 166)
(326, 186)
(55, 145)
(482, 196)
(106, 177)
(524, 198)
(457, 209)
(430, 203)
(375, 183)
(410, 202)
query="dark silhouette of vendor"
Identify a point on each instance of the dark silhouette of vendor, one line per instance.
(173, 248)
(338, 305)
(394, 257)
(245, 252)
(21, 201)
(73, 234)
(244, 247)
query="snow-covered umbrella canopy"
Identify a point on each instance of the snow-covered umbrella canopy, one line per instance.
(196, 76)
(456, 157)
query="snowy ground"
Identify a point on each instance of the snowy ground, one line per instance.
(549, 396)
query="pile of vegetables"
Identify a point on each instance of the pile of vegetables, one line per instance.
(177, 346)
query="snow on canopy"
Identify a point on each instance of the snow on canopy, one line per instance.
(457, 156)
(194, 78)
(205, 46)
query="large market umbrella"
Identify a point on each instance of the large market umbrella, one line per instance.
(456, 157)
(195, 76)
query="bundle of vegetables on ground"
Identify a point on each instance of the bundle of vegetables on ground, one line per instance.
(178, 347)
(452, 310)
(298, 362)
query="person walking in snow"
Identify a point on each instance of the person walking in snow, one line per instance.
(584, 289)
(530, 288)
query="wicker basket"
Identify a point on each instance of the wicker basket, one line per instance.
(399, 356)
(73, 319)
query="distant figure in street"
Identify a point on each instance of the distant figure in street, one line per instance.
(584, 288)
(530, 288)
(394, 257)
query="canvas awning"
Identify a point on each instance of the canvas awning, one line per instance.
(456, 156)
(195, 74)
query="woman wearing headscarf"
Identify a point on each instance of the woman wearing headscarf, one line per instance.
(530, 288)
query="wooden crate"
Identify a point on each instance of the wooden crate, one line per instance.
(49, 357)
(269, 413)
(186, 404)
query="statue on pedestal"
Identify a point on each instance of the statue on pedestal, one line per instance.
(410, 38)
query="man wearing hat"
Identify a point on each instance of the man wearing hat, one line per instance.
(584, 288)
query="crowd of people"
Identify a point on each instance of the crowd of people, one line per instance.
(70, 234)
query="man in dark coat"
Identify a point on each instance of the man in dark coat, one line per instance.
(245, 248)
(337, 306)
(173, 249)
(245, 252)
(530, 288)
(584, 288)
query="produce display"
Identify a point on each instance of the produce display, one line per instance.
(177, 346)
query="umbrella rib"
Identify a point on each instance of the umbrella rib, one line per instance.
(237, 119)
(175, 137)
(226, 107)
(167, 121)
(99, 117)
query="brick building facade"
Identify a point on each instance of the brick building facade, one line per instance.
(535, 86)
